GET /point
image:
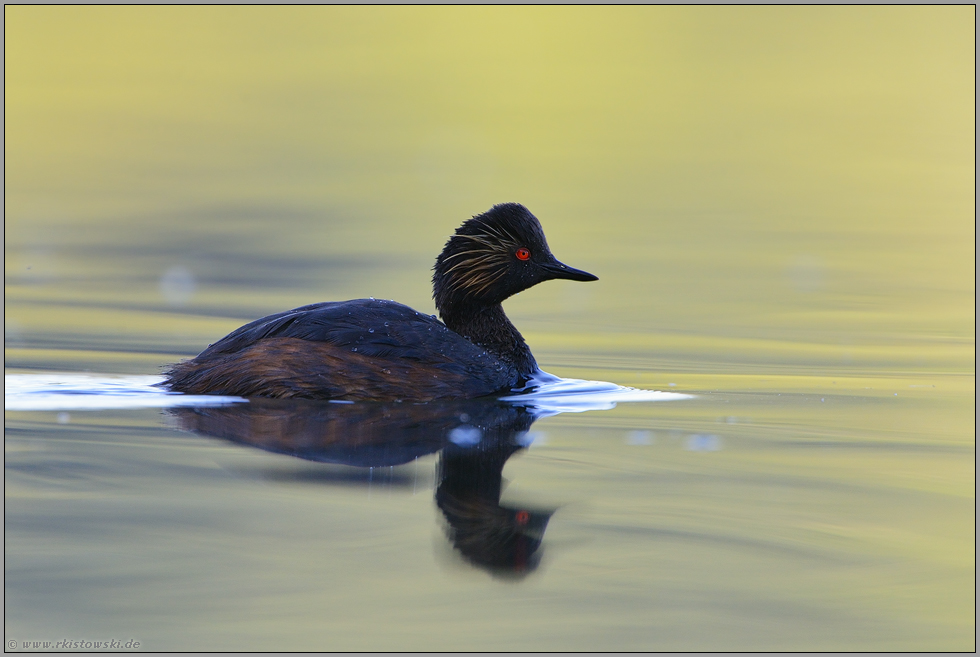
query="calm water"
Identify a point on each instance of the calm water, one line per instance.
(779, 203)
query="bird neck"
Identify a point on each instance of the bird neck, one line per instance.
(488, 327)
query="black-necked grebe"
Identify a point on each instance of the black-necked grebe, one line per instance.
(369, 349)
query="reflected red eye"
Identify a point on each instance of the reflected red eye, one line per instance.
(522, 517)
(523, 254)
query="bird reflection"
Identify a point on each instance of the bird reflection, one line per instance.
(501, 539)
(474, 437)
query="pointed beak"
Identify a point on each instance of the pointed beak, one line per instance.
(556, 269)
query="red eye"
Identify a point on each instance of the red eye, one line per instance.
(522, 517)
(523, 254)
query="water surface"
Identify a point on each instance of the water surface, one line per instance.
(779, 203)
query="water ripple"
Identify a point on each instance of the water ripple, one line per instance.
(91, 392)
(545, 394)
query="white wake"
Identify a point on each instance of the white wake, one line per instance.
(546, 394)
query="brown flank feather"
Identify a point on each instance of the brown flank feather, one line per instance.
(303, 369)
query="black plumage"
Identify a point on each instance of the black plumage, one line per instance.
(382, 350)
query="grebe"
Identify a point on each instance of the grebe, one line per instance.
(375, 350)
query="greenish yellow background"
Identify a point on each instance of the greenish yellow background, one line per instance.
(696, 158)
(777, 200)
